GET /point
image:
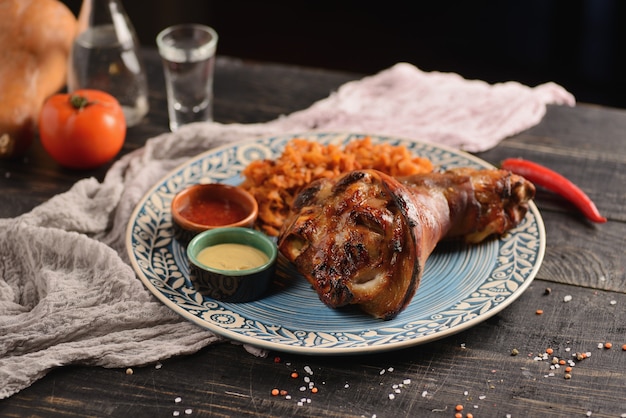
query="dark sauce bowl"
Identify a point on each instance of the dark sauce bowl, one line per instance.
(203, 207)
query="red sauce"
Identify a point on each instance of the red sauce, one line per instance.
(214, 212)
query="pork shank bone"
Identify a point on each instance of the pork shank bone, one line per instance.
(363, 238)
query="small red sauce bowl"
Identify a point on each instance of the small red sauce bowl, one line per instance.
(201, 207)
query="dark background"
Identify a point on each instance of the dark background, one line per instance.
(575, 43)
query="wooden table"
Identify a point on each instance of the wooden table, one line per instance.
(474, 368)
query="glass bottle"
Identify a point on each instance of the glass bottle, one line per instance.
(105, 56)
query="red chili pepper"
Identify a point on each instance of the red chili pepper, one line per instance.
(555, 182)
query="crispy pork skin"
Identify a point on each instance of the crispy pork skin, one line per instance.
(363, 238)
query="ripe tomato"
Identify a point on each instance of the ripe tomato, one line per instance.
(83, 129)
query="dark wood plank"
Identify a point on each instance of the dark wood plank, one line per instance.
(583, 254)
(224, 380)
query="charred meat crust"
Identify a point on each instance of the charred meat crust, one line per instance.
(363, 238)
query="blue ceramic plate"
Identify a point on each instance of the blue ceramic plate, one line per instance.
(461, 286)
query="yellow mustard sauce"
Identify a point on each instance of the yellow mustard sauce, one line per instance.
(232, 257)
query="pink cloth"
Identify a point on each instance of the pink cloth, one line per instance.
(441, 108)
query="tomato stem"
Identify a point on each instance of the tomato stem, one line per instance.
(555, 182)
(79, 102)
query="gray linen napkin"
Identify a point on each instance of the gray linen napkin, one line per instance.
(67, 292)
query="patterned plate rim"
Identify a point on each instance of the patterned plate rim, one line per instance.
(223, 319)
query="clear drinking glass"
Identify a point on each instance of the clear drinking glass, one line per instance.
(188, 54)
(106, 56)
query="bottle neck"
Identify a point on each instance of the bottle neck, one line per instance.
(94, 13)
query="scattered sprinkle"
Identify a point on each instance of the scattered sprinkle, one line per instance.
(308, 370)
(514, 352)
(624, 347)
(158, 366)
(392, 396)
(458, 408)
(314, 390)
(294, 375)
(129, 371)
(567, 298)
(608, 345)
(549, 350)
(539, 311)
(241, 395)
(275, 392)
(582, 356)
(178, 400)
(188, 411)
(424, 394)
(613, 302)
(176, 413)
(547, 291)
